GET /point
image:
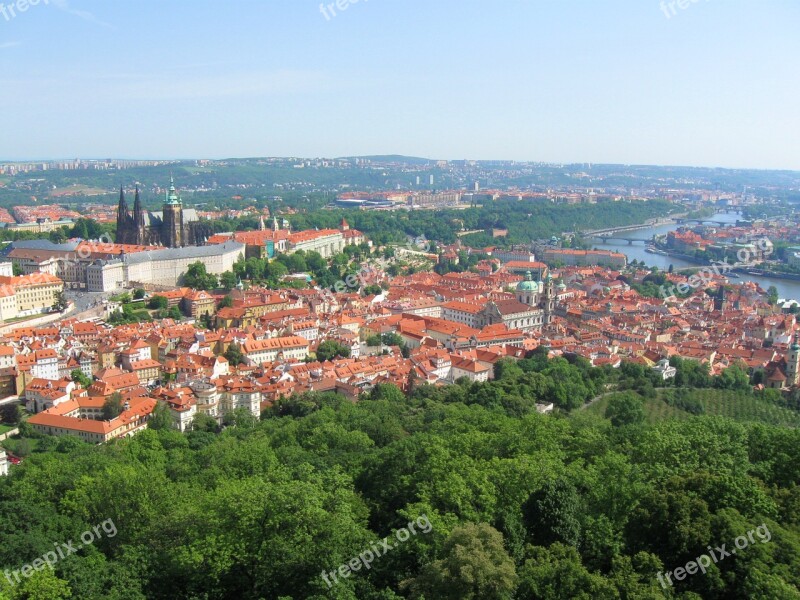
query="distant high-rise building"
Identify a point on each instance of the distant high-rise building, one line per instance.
(431, 182)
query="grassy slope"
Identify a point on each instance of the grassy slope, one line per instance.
(723, 403)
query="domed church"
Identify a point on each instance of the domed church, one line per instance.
(532, 309)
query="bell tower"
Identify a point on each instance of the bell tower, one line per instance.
(792, 364)
(172, 234)
(549, 299)
(125, 233)
(138, 218)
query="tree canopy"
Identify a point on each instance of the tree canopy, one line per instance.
(521, 505)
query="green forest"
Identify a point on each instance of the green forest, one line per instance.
(525, 220)
(593, 501)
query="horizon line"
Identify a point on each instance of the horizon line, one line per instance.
(403, 156)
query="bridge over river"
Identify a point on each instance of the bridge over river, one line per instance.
(610, 237)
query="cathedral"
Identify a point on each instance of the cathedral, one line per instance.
(173, 227)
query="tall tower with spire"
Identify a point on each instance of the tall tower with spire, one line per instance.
(549, 299)
(125, 226)
(122, 207)
(793, 364)
(720, 303)
(138, 218)
(172, 233)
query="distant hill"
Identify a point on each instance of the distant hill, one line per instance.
(396, 158)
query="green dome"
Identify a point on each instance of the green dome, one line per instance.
(528, 285)
(172, 194)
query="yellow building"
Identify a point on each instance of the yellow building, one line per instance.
(198, 302)
(28, 294)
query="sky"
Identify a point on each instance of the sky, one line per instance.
(715, 83)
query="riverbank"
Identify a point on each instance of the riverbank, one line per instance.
(788, 287)
(743, 270)
(770, 274)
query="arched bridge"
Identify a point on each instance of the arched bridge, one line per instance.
(610, 237)
(705, 222)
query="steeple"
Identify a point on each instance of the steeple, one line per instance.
(720, 303)
(172, 230)
(549, 298)
(138, 213)
(793, 364)
(172, 194)
(274, 223)
(122, 207)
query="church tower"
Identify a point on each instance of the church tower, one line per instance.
(549, 299)
(122, 218)
(138, 219)
(792, 364)
(720, 303)
(122, 207)
(172, 234)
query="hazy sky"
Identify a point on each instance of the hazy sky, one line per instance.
(716, 84)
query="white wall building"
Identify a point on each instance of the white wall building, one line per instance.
(326, 241)
(105, 276)
(161, 267)
(664, 369)
(46, 365)
(249, 399)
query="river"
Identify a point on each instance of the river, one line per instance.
(786, 288)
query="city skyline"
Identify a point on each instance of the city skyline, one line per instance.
(659, 83)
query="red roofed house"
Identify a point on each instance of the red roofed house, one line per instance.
(42, 394)
(71, 418)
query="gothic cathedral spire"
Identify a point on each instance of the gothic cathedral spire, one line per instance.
(138, 218)
(122, 208)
